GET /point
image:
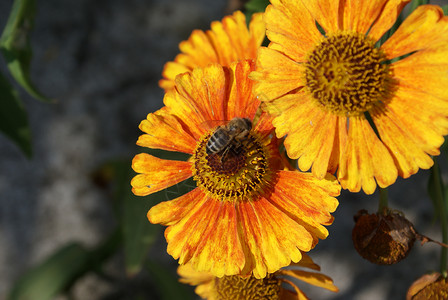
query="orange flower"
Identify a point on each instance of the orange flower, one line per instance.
(270, 288)
(324, 88)
(247, 215)
(226, 42)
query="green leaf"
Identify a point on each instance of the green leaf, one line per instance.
(54, 275)
(58, 272)
(436, 188)
(13, 117)
(138, 233)
(415, 3)
(445, 9)
(256, 5)
(15, 45)
(167, 283)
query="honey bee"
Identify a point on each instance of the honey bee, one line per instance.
(228, 137)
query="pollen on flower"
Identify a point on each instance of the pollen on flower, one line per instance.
(240, 174)
(346, 74)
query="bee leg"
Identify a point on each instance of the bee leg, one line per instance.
(224, 154)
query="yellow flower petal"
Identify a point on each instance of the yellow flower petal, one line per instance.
(425, 71)
(170, 71)
(208, 239)
(360, 15)
(171, 212)
(204, 281)
(181, 107)
(306, 262)
(365, 159)
(157, 174)
(401, 142)
(313, 137)
(205, 89)
(241, 101)
(278, 74)
(299, 294)
(228, 41)
(289, 21)
(315, 279)
(272, 237)
(387, 18)
(163, 131)
(312, 207)
(328, 14)
(426, 26)
(233, 41)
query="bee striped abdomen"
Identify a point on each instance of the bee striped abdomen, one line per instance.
(217, 142)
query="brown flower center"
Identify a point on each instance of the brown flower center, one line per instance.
(245, 288)
(240, 172)
(346, 74)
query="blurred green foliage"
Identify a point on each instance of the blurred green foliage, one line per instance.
(16, 49)
(15, 45)
(13, 117)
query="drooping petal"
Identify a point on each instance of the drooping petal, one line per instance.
(276, 74)
(190, 276)
(164, 131)
(313, 278)
(306, 262)
(272, 237)
(207, 238)
(299, 294)
(365, 159)
(157, 174)
(424, 27)
(205, 282)
(397, 134)
(287, 22)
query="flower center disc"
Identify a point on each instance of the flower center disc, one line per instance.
(239, 173)
(236, 287)
(345, 73)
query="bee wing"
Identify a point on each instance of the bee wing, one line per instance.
(212, 124)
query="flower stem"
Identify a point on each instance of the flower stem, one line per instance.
(383, 203)
(441, 206)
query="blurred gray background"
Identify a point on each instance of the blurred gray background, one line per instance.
(101, 60)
